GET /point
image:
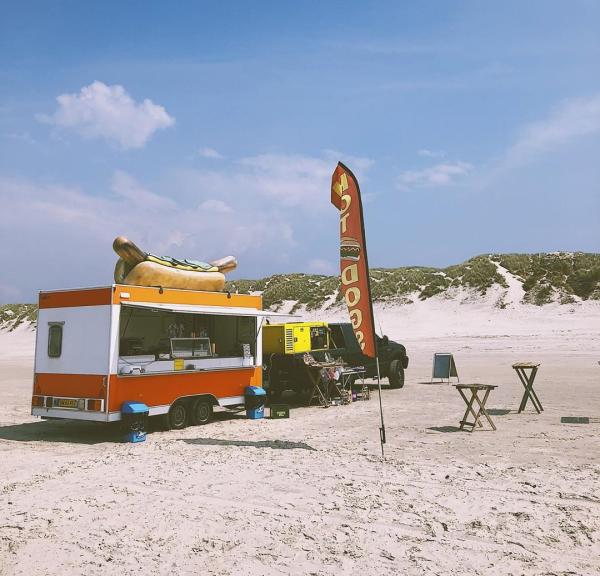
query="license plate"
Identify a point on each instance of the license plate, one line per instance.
(67, 403)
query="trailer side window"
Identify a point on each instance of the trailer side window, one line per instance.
(55, 334)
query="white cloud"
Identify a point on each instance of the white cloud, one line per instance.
(69, 232)
(442, 174)
(304, 181)
(320, 266)
(287, 181)
(572, 119)
(176, 238)
(23, 136)
(255, 209)
(44, 208)
(358, 164)
(210, 153)
(368, 197)
(129, 188)
(426, 153)
(101, 111)
(212, 205)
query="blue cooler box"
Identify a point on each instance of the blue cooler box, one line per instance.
(134, 417)
(254, 400)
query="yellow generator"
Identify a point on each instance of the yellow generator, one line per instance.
(295, 337)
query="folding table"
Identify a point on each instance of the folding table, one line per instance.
(321, 389)
(475, 389)
(350, 374)
(527, 380)
(348, 378)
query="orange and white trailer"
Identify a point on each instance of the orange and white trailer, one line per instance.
(180, 352)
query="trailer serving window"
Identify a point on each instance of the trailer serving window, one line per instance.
(55, 334)
(154, 339)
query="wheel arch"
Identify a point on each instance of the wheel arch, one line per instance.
(402, 356)
(189, 399)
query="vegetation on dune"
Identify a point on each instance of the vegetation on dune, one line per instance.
(312, 291)
(309, 290)
(546, 277)
(554, 277)
(14, 315)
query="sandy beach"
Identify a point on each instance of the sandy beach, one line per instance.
(180, 182)
(311, 495)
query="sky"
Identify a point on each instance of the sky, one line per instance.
(202, 129)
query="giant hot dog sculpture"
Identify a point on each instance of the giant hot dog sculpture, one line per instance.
(140, 268)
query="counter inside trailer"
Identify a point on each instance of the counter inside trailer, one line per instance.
(136, 365)
(160, 340)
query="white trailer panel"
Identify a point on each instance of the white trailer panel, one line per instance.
(86, 340)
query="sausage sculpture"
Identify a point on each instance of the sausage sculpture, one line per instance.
(139, 268)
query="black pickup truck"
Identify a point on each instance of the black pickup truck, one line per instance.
(392, 356)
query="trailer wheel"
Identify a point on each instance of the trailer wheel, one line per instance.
(396, 375)
(176, 418)
(202, 412)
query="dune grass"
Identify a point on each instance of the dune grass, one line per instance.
(561, 277)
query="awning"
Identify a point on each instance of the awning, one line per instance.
(192, 309)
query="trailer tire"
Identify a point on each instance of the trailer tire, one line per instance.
(396, 374)
(176, 418)
(202, 412)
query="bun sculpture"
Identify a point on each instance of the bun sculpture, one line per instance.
(139, 268)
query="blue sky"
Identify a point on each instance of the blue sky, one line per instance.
(204, 129)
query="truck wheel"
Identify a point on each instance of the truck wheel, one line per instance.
(396, 375)
(176, 418)
(202, 412)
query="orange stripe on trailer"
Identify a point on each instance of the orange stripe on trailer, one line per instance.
(124, 294)
(164, 389)
(73, 298)
(74, 385)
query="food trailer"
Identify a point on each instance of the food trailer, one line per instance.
(180, 352)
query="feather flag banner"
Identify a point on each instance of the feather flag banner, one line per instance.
(354, 265)
(354, 268)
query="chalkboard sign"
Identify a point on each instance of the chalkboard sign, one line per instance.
(444, 366)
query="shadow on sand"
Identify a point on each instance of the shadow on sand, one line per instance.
(429, 383)
(445, 429)
(77, 432)
(498, 411)
(69, 432)
(273, 444)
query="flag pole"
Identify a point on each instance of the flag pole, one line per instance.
(382, 428)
